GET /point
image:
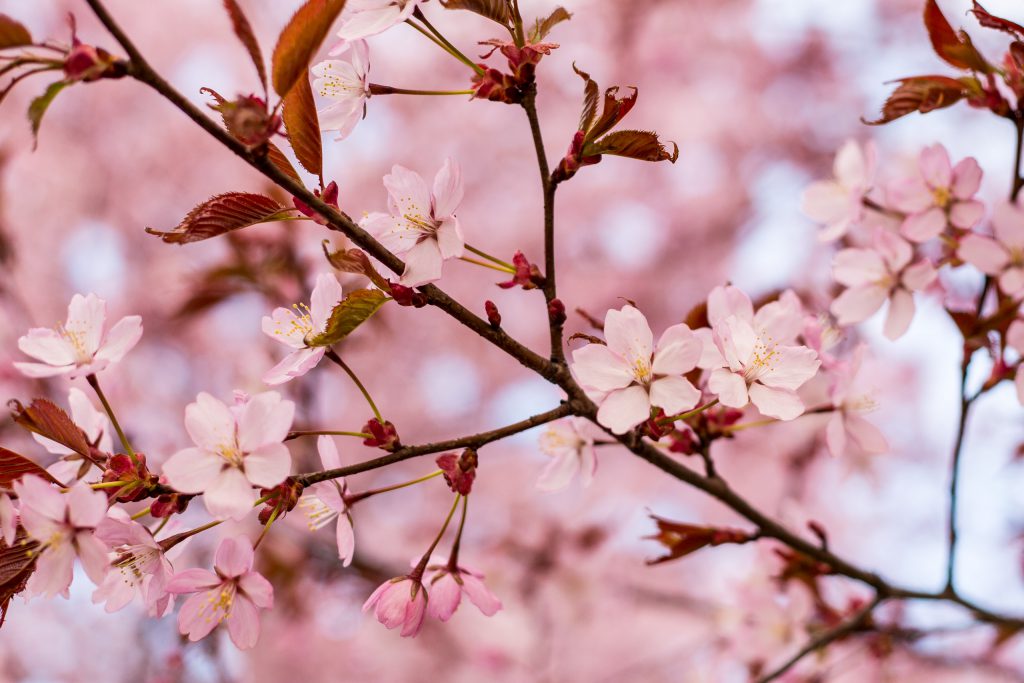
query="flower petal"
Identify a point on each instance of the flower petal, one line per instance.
(192, 470)
(674, 394)
(781, 404)
(447, 190)
(265, 419)
(268, 465)
(677, 352)
(624, 409)
(121, 339)
(598, 367)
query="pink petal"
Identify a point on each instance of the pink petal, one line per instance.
(408, 194)
(86, 317)
(40, 497)
(730, 388)
(445, 594)
(966, 214)
(346, 538)
(328, 450)
(41, 370)
(48, 346)
(121, 339)
(1012, 281)
(1015, 336)
(966, 178)
(588, 465)
(192, 470)
(1008, 224)
(677, 352)
(852, 166)
(265, 419)
(782, 319)
(234, 556)
(1018, 381)
(447, 190)
(86, 508)
(628, 334)
(710, 354)
(243, 623)
(192, 581)
(559, 472)
(918, 275)
(983, 253)
(257, 588)
(598, 367)
(853, 267)
(422, 263)
(342, 116)
(93, 554)
(209, 423)
(267, 466)
(195, 620)
(54, 570)
(295, 364)
(479, 595)
(391, 603)
(901, 312)
(781, 404)
(370, 22)
(414, 613)
(624, 409)
(282, 325)
(935, 166)
(866, 435)
(326, 295)
(791, 367)
(921, 227)
(910, 195)
(858, 303)
(895, 252)
(737, 340)
(835, 435)
(673, 394)
(450, 241)
(230, 495)
(8, 519)
(726, 301)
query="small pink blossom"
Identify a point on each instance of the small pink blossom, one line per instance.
(232, 594)
(847, 424)
(236, 448)
(1002, 257)
(346, 84)
(294, 327)
(872, 276)
(324, 502)
(838, 203)
(571, 447)
(633, 374)
(447, 587)
(1015, 338)
(364, 18)
(79, 346)
(139, 568)
(421, 223)
(941, 194)
(63, 524)
(401, 601)
(8, 519)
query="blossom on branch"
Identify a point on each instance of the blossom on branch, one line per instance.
(401, 601)
(941, 194)
(838, 203)
(448, 585)
(324, 501)
(296, 326)
(346, 84)
(364, 18)
(139, 568)
(1001, 256)
(571, 447)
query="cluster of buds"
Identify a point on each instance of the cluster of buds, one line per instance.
(527, 275)
(512, 87)
(283, 498)
(87, 63)
(330, 197)
(383, 435)
(132, 471)
(248, 119)
(459, 470)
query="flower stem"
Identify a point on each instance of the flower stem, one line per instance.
(453, 559)
(297, 434)
(142, 513)
(174, 540)
(377, 89)
(748, 425)
(366, 394)
(356, 497)
(95, 384)
(487, 256)
(160, 526)
(266, 527)
(443, 42)
(418, 571)
(108, 485)
(484, 264)
(690, 413)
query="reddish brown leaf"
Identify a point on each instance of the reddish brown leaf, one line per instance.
(495, 10)
(991, 21)
(303, 126)
(542, 27)
(13, 33)
(923, 94)
(245, 34)
(354, 261)
(954, 47)
(590, 95)
(17, 563)
(278, 158)
(48, 420)
(681, 539)
(635, 144)
(224, 213)
(614, 110)
(13, 467)
(300, 39)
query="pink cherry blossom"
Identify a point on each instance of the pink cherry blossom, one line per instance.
(8, 519)
(570, 444)
(1015, 338)
(872, 276)
(838, 203)
(295, 326)
(79, 346)
(324, 502)
(1002, 256)
(233, 594)
(139, 568)
(633, 374)
(364, 18)
(847, 424)
(346, 84)
(63, 525)
(942, 194)
(421, 223)
(447, 587)
(236, 448)
(401, 601)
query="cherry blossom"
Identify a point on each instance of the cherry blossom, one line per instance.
(237, 448)
(872, 276)
(421, 223)
(139, 568)
(366, 18)
(233, 594)
(634, 373)
(346, 84)
(447, 587)
(295, 326)
(571, 447)
(63, 524)
(838, 203)
(401, 601)
(940, 194)
(79, 346)
(1002, 256)
(846, 424)
(324, 501)
(1015, 338)
(8, 519)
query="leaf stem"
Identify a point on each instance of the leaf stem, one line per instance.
(95, 384)
(418, 571)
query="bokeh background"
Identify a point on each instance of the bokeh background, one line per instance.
(758, 94)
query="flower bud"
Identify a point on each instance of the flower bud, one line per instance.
(493, 316)
(383, 436)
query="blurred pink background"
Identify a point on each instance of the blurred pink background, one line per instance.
(758, 94)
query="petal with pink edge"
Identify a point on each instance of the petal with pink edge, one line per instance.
(598, 367)
(267, 466)
(730, 388)
(230, 495)
(192, 470)
(447, 190)
(781, 404)
(121, 339)
(423, 263)
(901, 312)
(629, 335)
(624, 409)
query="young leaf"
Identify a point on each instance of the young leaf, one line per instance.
(635, 144)
(245, 34)
(614, 110)
(13, 467)
(278, 158)
(495, 10)
(923, 94)
(989, 20)
(353, 311)
(17, 562)
(354, 261)
(300, 39)
(303, 126)
(39, 105)
(590, 94)
(46, 419)
(13, 33)
(542, 27)
(224, 213)
(953, 47)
